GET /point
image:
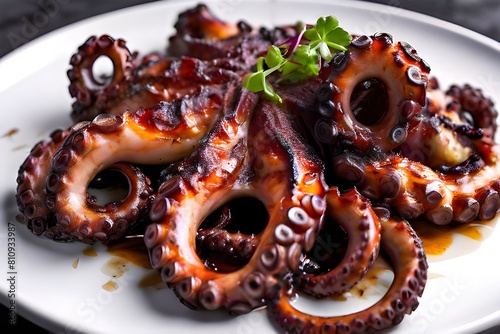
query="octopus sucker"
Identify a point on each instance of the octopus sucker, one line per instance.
(240, 151)
(279, 183)
(30, 194)
(159, 135)
(371, 96)
(405, 250)
(414, 189)
(137, 82)
(231, 233)
(92, 94)
(354, 213)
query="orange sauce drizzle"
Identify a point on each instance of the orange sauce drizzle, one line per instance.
(75, 263)
(10, 133)
(133, 250)
(110, 286)
(90, 251)
(370, 279)
(115, 267)
(151, 279)
(437, 239)
(20, 147)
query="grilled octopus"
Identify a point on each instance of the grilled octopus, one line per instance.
(233, 191)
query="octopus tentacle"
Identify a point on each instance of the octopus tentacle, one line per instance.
(30, 194)
(475, 107)
(184, 200)
(92, 94)
(446, 169)
(408, 259)
(238, 245)
(36, 205)
(140, 83)
(447, 135)
(106, 222)
(201, 35)
(355, 215)
(218, 239)
(158, 135)
(414, 189)
(286, 182)
(372, 92)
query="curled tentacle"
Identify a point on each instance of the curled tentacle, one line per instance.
(229, 241)
(201, 35)
(113, 219)
(95, 222)
(158, 135)
(475, 108)
(92, 94)
(414, 189)
(445, 171)
(279, 175)
(447, 134)
(409, 263)
(184, 200)
(354, 214)
(30, 193)
(138, 84)
(372, 92)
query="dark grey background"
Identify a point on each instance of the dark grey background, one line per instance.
(482, 16)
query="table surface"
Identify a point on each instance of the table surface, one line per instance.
(480, 15)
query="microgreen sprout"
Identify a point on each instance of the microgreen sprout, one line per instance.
(327, 35)
(299, 57)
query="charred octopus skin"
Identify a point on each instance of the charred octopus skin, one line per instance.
(233, 45)
(55, 176)
(203, 36)
(273, 166)
(353, 152)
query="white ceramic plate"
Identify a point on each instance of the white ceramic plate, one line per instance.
(463, 292)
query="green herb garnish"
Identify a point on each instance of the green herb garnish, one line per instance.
(299, 57)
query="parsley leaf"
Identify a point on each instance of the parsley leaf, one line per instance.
(296, 60)
(256, 82)
(327, 35)
(302, 64)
